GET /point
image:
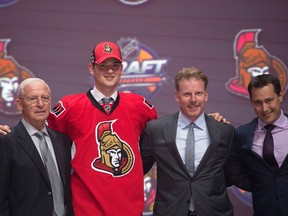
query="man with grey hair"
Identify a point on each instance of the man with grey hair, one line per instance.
(34, 160)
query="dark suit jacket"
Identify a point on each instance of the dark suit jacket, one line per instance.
(174, 184)
(24, 186)
(269, 189)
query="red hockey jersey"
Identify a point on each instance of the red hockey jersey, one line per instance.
(108, 175)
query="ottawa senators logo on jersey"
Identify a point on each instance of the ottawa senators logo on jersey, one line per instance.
(115, 156)
(252, 60)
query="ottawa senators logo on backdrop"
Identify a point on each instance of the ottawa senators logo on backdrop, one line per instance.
(11, 75)
(115, 156)
(253, 59)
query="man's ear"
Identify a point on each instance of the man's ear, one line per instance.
(91, 69)
(281, 97)
(176, 96)
(19, 104)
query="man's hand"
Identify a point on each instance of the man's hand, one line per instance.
(217, 117)
(4, 129)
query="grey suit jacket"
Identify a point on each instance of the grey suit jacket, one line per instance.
(24, 185)
(174, 184)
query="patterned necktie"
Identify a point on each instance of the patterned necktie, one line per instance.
(107, 100)
(55, 181)
(268, 148)
(190, 150)
(107, 103)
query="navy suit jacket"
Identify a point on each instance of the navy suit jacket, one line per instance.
(174, 184)
(24, 185)
(269, 189)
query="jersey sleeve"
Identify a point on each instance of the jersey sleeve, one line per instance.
(58, 118)
(146, 111)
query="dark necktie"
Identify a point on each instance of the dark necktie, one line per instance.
(190, 150)
(268, 148)
(55, 181)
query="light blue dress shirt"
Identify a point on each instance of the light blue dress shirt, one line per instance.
(202, 138)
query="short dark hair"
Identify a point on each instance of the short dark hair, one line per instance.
(264, 80)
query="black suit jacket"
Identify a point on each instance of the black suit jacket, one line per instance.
(24, 185)
(174, 184)
(269, 189)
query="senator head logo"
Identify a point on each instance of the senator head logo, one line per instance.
(115, 156)
(11, 74)
(253, 59)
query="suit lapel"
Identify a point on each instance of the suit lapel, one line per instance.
(57, 146)
(252, 126)
(169, 130)
(214, 133)
(27, 144)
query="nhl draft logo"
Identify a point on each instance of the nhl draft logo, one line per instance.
(253, 59)
(142, 69)
(11, 74)
(115, 156)
(6, 3)
(133, 2)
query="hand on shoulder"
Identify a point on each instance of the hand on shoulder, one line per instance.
(4, 129)
(218, 117)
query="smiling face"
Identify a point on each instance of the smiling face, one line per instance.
(266, 103)
(192, 97)
(106, 75)
(34, 101)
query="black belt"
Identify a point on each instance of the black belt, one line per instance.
(190, 213)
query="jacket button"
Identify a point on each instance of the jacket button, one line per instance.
(49, 193)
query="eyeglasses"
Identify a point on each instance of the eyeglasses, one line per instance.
(105, 67)
(35, 99)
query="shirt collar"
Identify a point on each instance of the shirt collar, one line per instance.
(184, 122)
(98, 95)
(280, 122)
(31, 130)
